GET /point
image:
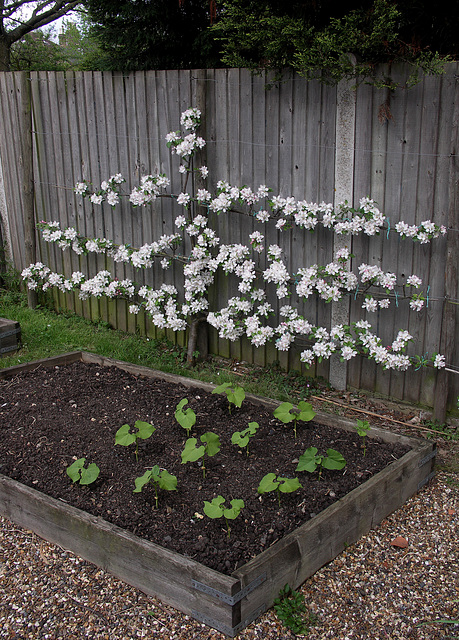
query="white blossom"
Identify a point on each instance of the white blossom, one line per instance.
(414, 281)
(439, 361)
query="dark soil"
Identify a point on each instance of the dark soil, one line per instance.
(52, 416)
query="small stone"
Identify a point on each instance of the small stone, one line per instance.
(400, 542)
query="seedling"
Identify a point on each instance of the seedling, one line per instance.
(310, 461)
(124, 437)
(242, 438)
(291, 610)
(286, 413)
(271, 482)
(161, 480)
(234, 394)
(187, 418)
(210, 446)
(216, 509)
(78, 473)
(363, 427)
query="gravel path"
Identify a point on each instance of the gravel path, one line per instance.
(373, 590)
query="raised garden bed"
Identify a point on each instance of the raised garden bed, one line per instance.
(225, 599)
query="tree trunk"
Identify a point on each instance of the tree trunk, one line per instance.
(5, 54)
(197, 340)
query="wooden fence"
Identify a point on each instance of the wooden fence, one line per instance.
(302, 139)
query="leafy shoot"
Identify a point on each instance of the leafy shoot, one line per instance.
(271, 482)
(210, 447)
(78, 473)
(216, 509)
(161, 479)
(185, 418)
(124, 437)
(310, 461)
(234, 394)
(363, 427)
(286, 413)
(242, 438)
(291, 610)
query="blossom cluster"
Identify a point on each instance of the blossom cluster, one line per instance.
(108, 192)
(146, 193)
(249, 313)
(329, 281)
(422, 233)
(190, 119)
(139, 258)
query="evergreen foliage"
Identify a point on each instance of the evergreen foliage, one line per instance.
(154, 34)
(316, 38)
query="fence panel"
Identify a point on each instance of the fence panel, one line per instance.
(91, 125)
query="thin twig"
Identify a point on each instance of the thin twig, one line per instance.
(376, 415)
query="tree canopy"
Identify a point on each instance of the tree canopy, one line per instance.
(154, 34)
(20, 17)
(313, 37)
(73, 48)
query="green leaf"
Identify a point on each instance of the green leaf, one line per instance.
(334, 460)
(89, 475)
(213, 443)
(191, 453)
(236, 396)
(186, 419)
(308, 461)
(222, 387)
(253, 428)
(73, 471)
(362, 427)
(143, 480)
(145, 429)
(283, 412)
(167, 481)
(268, 483)
(77, 472)
(288, 485)
(240, 439)
(307, 413)
(236, 506)
(214, 509)
(123, 437)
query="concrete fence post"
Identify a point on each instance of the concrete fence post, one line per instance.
(344, 190)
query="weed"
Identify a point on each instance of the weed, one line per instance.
(441, 430)
(291, 610)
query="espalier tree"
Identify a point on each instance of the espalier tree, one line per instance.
(250, 313)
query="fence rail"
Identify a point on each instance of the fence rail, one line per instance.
(302, 139)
